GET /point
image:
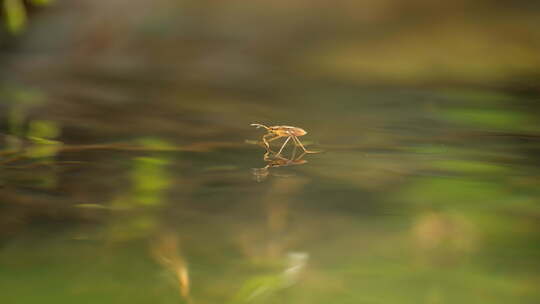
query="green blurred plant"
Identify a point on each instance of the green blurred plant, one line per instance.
(36, 137)
(15, 15)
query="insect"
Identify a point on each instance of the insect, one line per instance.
(276, 132)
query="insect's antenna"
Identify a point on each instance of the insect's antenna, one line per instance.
(259, 126)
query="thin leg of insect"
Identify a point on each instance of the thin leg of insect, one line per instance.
(284, 144)
(295, 159)
(274, 138)
(302, 146)
(266, 142)
(294, 152)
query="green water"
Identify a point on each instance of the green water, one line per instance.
(129, 172)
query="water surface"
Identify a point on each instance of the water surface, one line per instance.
(127, 171)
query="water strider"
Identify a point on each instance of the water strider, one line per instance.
(275, 132)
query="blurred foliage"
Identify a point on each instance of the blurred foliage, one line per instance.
(20, 100)
(36, 137)
(15, 13)
(149, 181)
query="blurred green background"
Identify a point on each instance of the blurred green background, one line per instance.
(129, 172)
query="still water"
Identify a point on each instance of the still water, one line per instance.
(138, 179)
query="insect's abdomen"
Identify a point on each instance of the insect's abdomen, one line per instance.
(294, 131)
(298, 132)
(287, 131)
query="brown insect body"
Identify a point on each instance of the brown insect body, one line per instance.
(287, 131)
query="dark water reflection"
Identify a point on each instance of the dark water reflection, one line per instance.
(130, 174)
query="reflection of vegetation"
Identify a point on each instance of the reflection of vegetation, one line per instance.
(39, 145)
(490, 119)
(42, 133)
(443, 237)
(30, 142)
(263, 288)
(166, 250)
(469, 166)
(450, 192)
(149, 181)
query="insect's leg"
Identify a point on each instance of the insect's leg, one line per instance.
(284, 144)
(266, 142)
(271, 139)
(300, 156)
(298, 143)
(302, 146)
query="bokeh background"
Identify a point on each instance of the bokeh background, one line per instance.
(129, 172)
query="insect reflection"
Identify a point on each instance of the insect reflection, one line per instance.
(273, 161)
